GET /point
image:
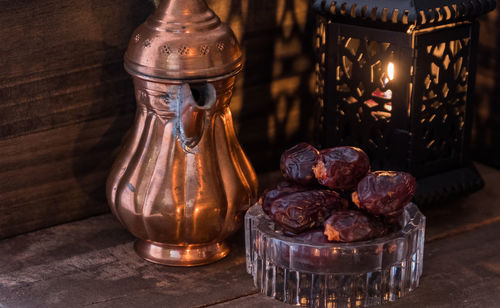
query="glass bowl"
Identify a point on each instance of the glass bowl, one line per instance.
(359, 274)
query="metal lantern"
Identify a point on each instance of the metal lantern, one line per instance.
(396, 79)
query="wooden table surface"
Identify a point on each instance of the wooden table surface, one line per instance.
(92, 263)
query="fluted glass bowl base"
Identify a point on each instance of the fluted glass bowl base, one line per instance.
(359, 274)
(190, 255)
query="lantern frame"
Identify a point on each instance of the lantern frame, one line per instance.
(420, 119)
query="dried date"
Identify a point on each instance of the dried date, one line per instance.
(385, 192)
(297, 162)
(282, 189)
(351, 226)
(341, 167)
(315, 236)
(305, 210)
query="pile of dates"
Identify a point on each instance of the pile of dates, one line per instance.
(332, 196)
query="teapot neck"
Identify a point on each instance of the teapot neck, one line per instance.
(178, 9)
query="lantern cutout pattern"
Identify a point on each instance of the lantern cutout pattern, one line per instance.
(398, 82)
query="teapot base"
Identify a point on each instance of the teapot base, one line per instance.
(172, 255)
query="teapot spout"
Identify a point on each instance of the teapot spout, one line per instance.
(196, 102)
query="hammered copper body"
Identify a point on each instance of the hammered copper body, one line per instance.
(181, 182)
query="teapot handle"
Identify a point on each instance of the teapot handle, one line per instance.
(195, 103)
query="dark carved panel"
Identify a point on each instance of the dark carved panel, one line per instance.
(364, 96)
(366, 87)
(440, 109)
(320, 75)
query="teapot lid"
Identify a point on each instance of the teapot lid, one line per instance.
(183, 40)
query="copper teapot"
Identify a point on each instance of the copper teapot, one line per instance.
(181, 182)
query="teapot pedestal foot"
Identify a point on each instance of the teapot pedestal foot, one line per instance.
(192, 255)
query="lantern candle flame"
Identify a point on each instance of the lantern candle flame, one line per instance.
(390, 70)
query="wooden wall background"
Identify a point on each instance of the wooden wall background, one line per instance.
(486, 133)
(66, 102)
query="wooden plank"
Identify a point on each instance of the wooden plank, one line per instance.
(88, 80)
(41, 171)
(58, 175)
(91, 262)
(260, 16)
(485, 132)
(468, 212)
(66, 101)
(62, 62)
(462, 271)
(53, 36)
